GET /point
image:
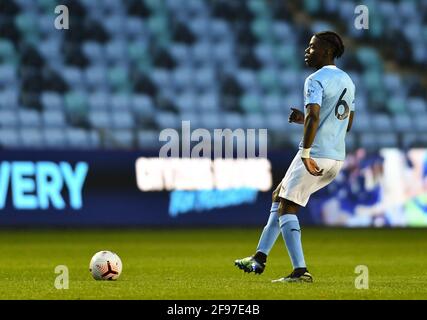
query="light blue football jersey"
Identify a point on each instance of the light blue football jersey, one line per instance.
(333, 90)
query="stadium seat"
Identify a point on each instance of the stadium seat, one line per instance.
(53, 119)
(147, 64)
(122, 119)
(7, 75)
(8, 118)
(381, 122)
(9, 99)
(120, 139)
(100, 119)
(148, 139)
(31, 138)
(9, 138)
(54, 138)
(78, 138)
(29, 118)
(211, 120)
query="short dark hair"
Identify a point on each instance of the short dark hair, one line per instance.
(334, 40)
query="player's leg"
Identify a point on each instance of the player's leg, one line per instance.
(271, 231)
(269, 235)
(296, 190)
(291, 232)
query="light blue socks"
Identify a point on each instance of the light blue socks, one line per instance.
(291, 233)
(271, 231)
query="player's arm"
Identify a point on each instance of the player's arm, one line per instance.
(313, 92)
(311, 123)
(350, 121)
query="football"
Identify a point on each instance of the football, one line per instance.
(105, 265)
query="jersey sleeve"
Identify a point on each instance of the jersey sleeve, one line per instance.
(313, 92)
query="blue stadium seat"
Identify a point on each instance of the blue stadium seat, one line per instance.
(362, 123)
(186, 101)
(7, 75)
(402, 123)
(420, 122)
(8, 118)
(288, 79)
(167, 120)
(78, 138)
(283, 31)
(202, 52)
(247, 79)
(31, 138)
(208, 102)
(29, 118)
(74, 77)
(9, 138)
(45, 23)
(100, 119)
(369, 141)
(9, 99)
(99, 100)
(50, 49)
(251, 103)
(232, 120)
(120, 139)
(205, 79)
(136, 28)
(183, 78)
(380, 122)
(199, 26)
(114, 24)
(94, 51)
(96, 77)
(387, 140)
(272, 103)
(255, 121)
(148, 139)
(51, 100)
(120, 102)
(53, 119)
(265, 53)
(116, 50)
(55, 138)
(275, 123)
(181, 54)
(143, 105)
(162, 78)
(220, 30)
(122, 120)
(416, 106)
(223, 53)
(211, 120)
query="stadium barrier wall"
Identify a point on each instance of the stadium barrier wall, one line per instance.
(102, 188)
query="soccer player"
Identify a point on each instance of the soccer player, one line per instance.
(328, 115)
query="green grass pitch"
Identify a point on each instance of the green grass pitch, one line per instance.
(198, 264)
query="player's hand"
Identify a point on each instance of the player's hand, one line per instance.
(296, 116)
(312, 166)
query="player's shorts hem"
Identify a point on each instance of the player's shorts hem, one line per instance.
(294, 200)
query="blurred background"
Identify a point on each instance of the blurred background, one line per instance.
(101, 92)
